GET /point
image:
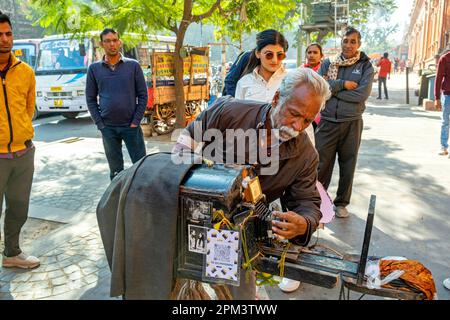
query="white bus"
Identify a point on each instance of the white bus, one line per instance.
(26, 50)
(62, 66)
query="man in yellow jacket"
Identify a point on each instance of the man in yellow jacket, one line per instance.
(17, 103)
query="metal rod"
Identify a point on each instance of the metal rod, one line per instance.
(407, 85)
(366, 243)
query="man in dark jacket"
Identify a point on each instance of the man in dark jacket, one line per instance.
(295, 105)
(120, 85)
(442, 91)
(350, 76)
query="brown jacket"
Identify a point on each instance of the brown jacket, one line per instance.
(295, 181)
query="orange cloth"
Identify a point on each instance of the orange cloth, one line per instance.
(416, 275)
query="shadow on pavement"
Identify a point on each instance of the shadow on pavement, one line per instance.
(400, 228)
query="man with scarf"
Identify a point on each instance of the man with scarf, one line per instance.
(350, 76)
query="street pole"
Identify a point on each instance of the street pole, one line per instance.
(407, 85)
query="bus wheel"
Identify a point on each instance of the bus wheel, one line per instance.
(70, 115)
(36, 114)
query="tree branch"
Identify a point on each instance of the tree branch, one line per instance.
(197, 18)
(172, 26)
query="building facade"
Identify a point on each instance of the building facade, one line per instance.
(429, 32)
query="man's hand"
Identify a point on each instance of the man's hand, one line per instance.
(438, 105)
(350, 85)
(133, 126)
(290, 226)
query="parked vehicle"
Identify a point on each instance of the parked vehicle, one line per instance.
(290, 64)
(62, 66)
(160, 113)
(27, 50)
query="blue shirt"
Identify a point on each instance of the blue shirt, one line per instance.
(121, 91)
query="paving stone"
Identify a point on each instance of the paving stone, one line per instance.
(102, 263)
(76, 284)
(77, 259)
(23, 296)
(50, 267)
(65, 263)
(13, 285)
(104, 273)
(23, 277)
(42, 293)
(89, 270)
(62, 257)
(95, 257)
(78, 247)
(74, 240)
(60, 290)
(70, 269)
(36, 270)
(85, 263)
(7, 276)
(91, 278)
(38, 277)
(58, 251)
(41, 285)
(24, 287)
(51, 260)
(92, 247)
(59, 281)
(85, 234)
(55, 274)
(75, 275)
(4, 288)
(43, 260)
(71, 252)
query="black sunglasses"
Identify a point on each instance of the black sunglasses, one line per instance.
(269, 55)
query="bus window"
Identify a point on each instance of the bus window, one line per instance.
(61, 54)
(25, 53)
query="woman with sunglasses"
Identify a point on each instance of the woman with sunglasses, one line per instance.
(264, 71)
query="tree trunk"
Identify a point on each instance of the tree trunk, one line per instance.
(179, 85)
(322, 34)
(224, 60)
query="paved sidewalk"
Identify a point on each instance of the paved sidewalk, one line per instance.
(70, 177)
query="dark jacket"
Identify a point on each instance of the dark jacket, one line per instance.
(348, 105)
(295, 181)
(443, 76)
(235, 73)
(122, 93)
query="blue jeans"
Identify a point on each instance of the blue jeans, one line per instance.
(445, 120)
(112, 141)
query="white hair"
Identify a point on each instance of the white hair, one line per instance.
(304, 76)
